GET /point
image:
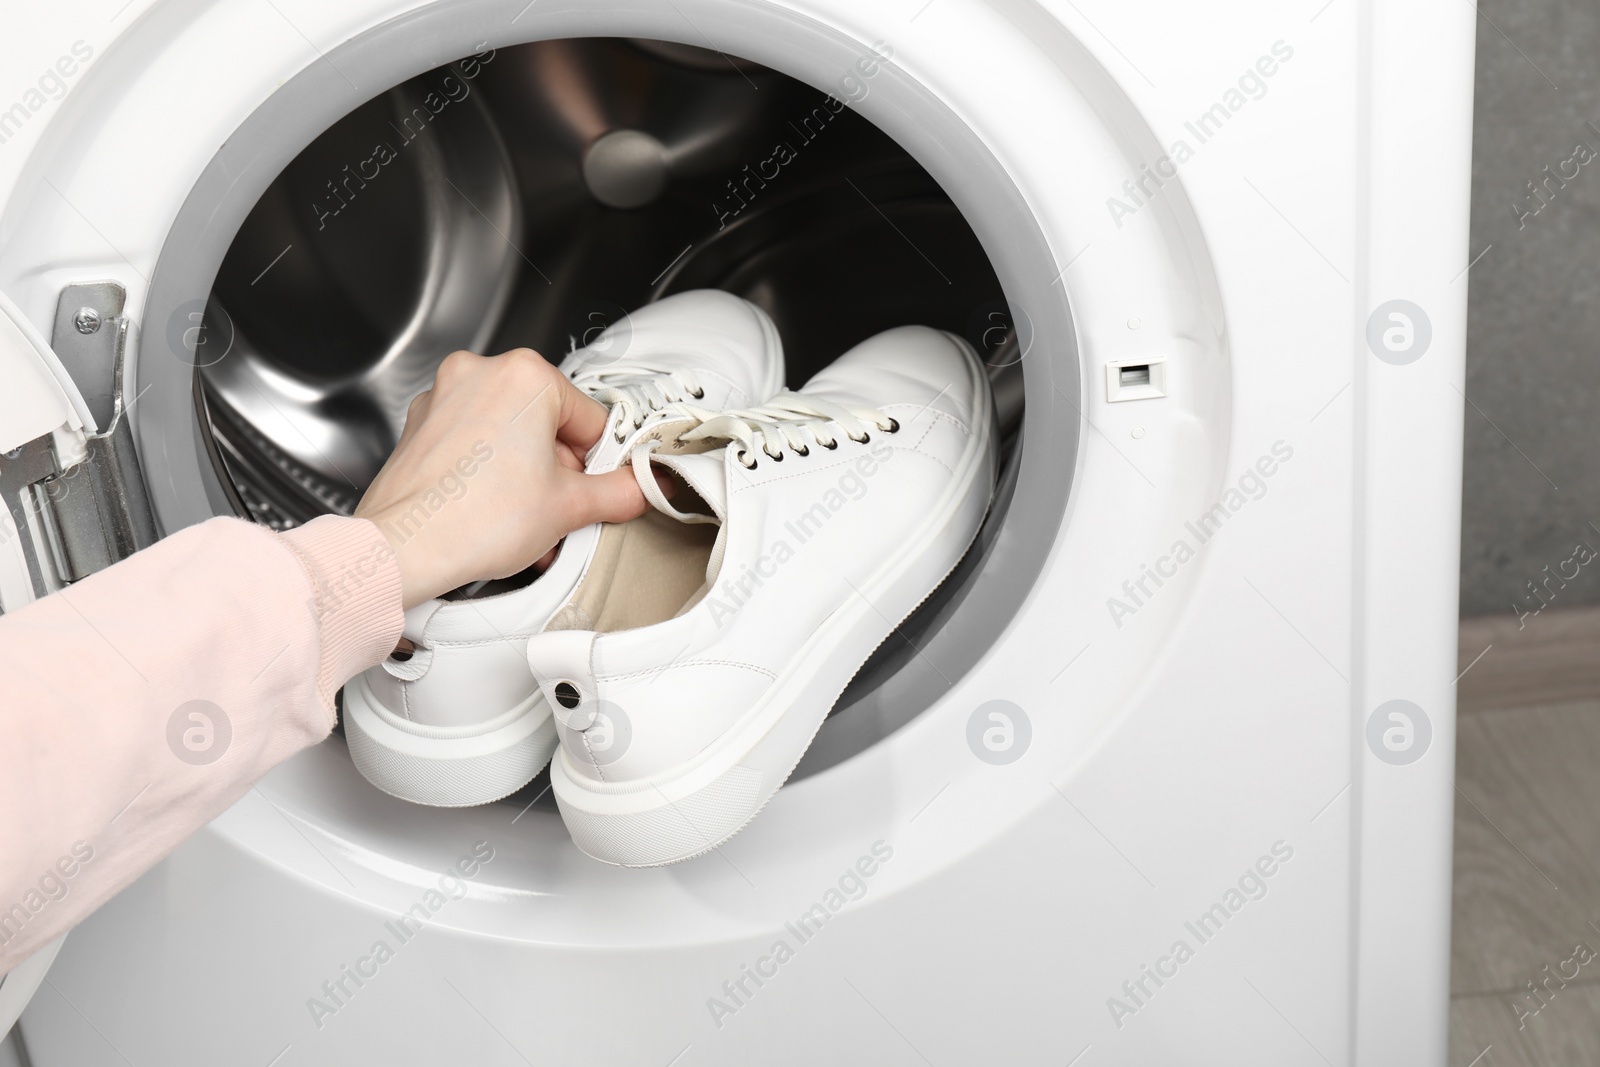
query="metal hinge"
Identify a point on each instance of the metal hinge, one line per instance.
(80, 518)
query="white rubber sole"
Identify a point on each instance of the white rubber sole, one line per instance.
(692, 809)
(447, 767)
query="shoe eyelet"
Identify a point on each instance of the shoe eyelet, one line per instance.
(803, 451)
(741, 456)
(618, 437)
(567, 695)
(893, 427)
(699, 394)
(830, 444)
(863, 439)
(778, 458)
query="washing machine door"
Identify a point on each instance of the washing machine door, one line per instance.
(73, 495)
(42, 422)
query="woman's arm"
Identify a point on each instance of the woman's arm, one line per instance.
(142, 701)
(139, 703)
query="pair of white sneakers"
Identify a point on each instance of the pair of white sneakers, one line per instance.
(676, 667)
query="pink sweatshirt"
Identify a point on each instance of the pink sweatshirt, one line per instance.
(138, 704)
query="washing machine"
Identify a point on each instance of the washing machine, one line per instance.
(1162, 774)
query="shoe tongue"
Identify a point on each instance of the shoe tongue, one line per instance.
(704, 472)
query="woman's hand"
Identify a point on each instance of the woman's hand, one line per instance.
(488, 473)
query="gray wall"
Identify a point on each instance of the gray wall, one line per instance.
(1532, 485)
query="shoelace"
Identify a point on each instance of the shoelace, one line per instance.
(788, 422)
(636, 390)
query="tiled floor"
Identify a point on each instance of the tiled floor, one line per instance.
(1527, 839)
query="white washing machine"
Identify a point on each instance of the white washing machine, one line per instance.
(1163, 774)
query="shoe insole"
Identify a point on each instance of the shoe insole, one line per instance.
(646, 571)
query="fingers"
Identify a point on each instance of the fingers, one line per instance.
(579, 418)
(582, 419)
(416, 412)
(610, 497)
(568, 458)
(457, 366)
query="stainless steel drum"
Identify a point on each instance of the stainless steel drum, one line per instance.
(528, 197)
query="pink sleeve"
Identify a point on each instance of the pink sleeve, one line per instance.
(138, 704)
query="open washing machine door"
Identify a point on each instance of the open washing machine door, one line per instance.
(73, 497)
(1089, 741)
(34, 409)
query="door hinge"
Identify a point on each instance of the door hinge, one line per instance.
(78, 518)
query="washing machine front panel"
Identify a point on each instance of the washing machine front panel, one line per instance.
(1186, 733)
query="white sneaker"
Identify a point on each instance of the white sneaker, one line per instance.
(461, 722)
(728, 631)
